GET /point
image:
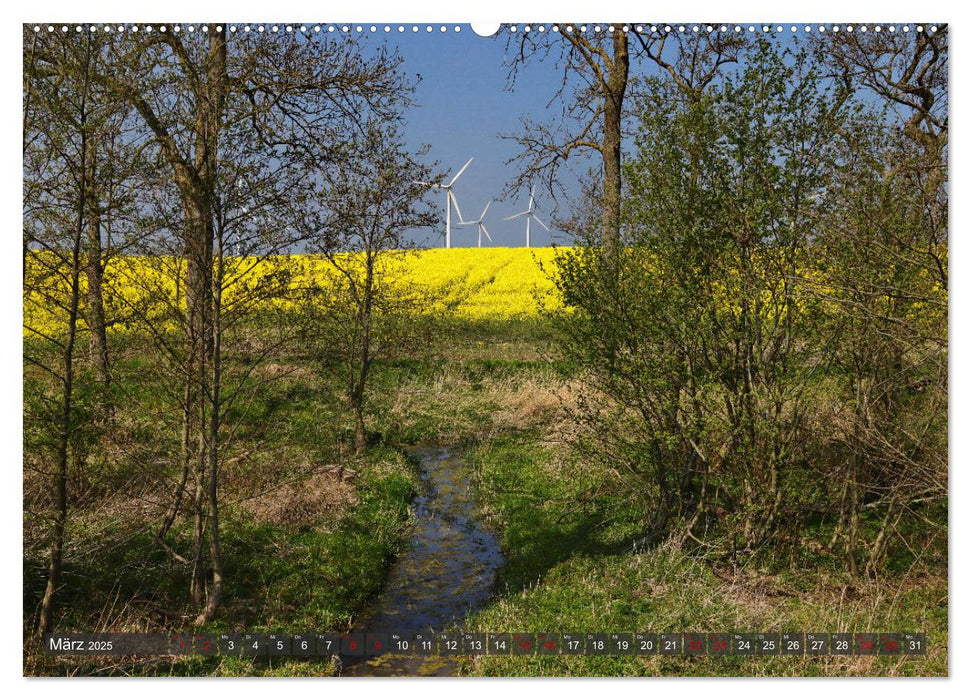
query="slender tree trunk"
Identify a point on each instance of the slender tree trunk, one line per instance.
(93, 267)
(60, 479)
(198, 585)
(46, 620)
(203, 302)
(879, 546)
(841, 523)
(853, 531)
(613, 114)
(198, 248)
(357, 392)
(360, 431)
(186, 466)
(215, 548)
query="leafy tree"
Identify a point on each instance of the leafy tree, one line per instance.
(703, 345)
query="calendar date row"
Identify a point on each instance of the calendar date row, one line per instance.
(269, 644)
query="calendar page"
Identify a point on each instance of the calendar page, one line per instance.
(607, 348)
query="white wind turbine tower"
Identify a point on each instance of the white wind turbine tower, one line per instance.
(478, 222)
(530, 213)
(449, 201)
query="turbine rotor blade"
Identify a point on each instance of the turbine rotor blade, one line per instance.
(486, 232)
(482, 216)
(455, 201)
(538, 221)
(516, 216)
(460, 172)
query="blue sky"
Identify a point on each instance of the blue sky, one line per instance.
(462, 108)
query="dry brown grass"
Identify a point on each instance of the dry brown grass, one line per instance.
(544, 401)
(276, 370)
(313, 502)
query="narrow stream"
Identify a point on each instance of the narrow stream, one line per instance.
(446, 571)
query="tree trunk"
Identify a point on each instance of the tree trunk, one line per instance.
(879, 546)
(215, 547)
(197, 587)
(613, 113)
(46, 619)
(93, 267)
(203, 301)
(853, 533)
(196, 181)
(60, 484)
(357, 392)
(358, 387)
(360, 432)
(185, 467)
(198, 248)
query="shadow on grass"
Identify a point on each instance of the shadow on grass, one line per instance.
(547, 517)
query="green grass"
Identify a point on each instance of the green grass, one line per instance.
(548, 510)
(277, 578)
(573, 568)
(568, 528)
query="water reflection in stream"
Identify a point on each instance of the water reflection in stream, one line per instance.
(446, 571)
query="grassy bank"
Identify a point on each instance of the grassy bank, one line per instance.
(309, 558)
(308, 529)
(571, 567)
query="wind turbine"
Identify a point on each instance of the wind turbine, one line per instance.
(478, 222)
(449, 201)
(529, 214)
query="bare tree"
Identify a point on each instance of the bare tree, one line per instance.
(71, 61)
(373, 204)
(909, 71)
(595, 65)
(216, 107)
(693, 61)
(58, 210)
(595, 84)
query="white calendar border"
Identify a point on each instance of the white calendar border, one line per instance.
(828, 11)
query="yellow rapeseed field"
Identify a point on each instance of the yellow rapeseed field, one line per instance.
(472, 283)
(467, 283)
(483, 282)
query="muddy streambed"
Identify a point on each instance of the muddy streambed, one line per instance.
(446, 571)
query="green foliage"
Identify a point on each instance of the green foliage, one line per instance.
(277, 577)
(729, 331)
